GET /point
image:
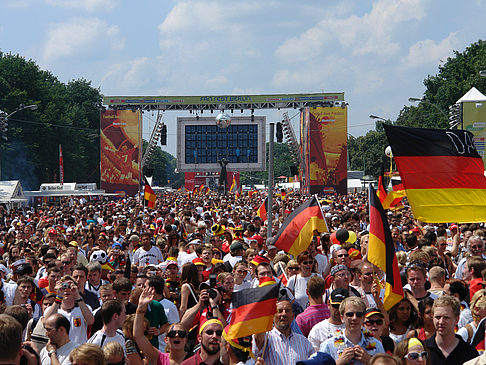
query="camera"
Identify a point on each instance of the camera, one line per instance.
(66, 286)
(212, 287)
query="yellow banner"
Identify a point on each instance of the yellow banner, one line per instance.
(474, 119)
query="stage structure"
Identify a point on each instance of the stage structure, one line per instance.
(202, 145)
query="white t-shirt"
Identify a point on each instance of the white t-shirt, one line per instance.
(79, 328)
(322, 262)
(298, 284)
(62, 354)
(321, 332)
(464, 334)
(151, 257)
(101, 339)
(184, 258)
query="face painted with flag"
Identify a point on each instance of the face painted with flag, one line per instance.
(381, 251)
(442, 173)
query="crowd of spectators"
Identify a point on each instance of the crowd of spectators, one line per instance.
(113, 282)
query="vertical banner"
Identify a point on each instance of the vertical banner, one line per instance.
(120, 139)
(61, 166)
(327, 145)
(474, 119)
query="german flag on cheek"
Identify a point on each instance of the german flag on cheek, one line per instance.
(442, 173)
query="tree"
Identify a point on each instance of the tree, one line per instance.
(67, 114)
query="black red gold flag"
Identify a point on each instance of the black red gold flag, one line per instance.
(253, 310)
(442, 173)
(381, 251)
(262, 210)
(149, 195)
(381, 187)
(297, 230)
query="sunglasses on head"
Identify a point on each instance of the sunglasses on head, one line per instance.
(415, 355)
(211, 332)
(173, 333)
(371, 322)
(351, 314)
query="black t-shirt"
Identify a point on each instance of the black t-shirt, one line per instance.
(91, 299)
(461, 353)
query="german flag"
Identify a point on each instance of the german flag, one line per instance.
(253, 310)
(262, 210)
(149, 195)
(442, 173)
(381, 187)
(297, 231)
(381, 251)
(283, 193)
(398, 194)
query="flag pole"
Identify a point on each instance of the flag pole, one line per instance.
(270, 180)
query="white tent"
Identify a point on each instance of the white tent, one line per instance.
(12, 194)
(472, 95)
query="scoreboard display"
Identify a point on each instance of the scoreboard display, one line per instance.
(201, 144)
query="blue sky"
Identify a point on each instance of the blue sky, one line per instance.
(376, 52)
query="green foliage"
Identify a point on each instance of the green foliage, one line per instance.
(164, 165)
(456, 77)
(281, 166)
(67, 114)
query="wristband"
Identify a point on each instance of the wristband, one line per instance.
(58, 297)
(51, 352)
(79, 300)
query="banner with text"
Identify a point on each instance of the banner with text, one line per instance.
(326, 130)
(120, 138)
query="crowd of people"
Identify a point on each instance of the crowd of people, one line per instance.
(113, 282)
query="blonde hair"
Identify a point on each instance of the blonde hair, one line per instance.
(113, 350)
(478, 301)
(88, 353)
(356, 301)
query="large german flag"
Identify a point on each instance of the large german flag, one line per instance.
(149, 195)
(262, 210)
(253, 310)
(442, 173)
(297, 231)
(381, 251)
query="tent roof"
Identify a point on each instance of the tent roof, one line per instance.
(472, 95)
(11, 191)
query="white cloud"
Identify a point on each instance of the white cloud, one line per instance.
(87, 5)
(371, 33)
(130, 76)
(429, 52)
(79, 36)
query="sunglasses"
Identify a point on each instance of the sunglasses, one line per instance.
(343, 255)
(310, 262)
(211, 332)
(241, 271)
(173, 333)
(371, 322)
(294, 268)
(351, 314)
(415, 355)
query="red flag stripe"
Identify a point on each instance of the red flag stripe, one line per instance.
(254, 310)
(293, 230)
(440, 172)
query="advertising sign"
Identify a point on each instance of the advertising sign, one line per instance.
(326, 130)
(120, 138)
(474, 119)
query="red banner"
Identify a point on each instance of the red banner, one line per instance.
(120, 151)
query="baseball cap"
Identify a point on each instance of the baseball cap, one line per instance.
(171, 262)
(338, 268)
(236, 245)
(52, 231)
(371, 311)
(73, 243)
(319, 358)
(338, 295)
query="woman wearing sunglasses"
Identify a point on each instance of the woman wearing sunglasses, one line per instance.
(298, 283)
(176, 338)
(412, 351)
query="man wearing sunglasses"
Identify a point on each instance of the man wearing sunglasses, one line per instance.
(209, 337)
(376, 323)
(353, 345)
(326, 328)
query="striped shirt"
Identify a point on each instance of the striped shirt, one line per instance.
(282, 350)
(313, 314)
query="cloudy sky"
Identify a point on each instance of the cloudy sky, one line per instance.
(376, 52)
